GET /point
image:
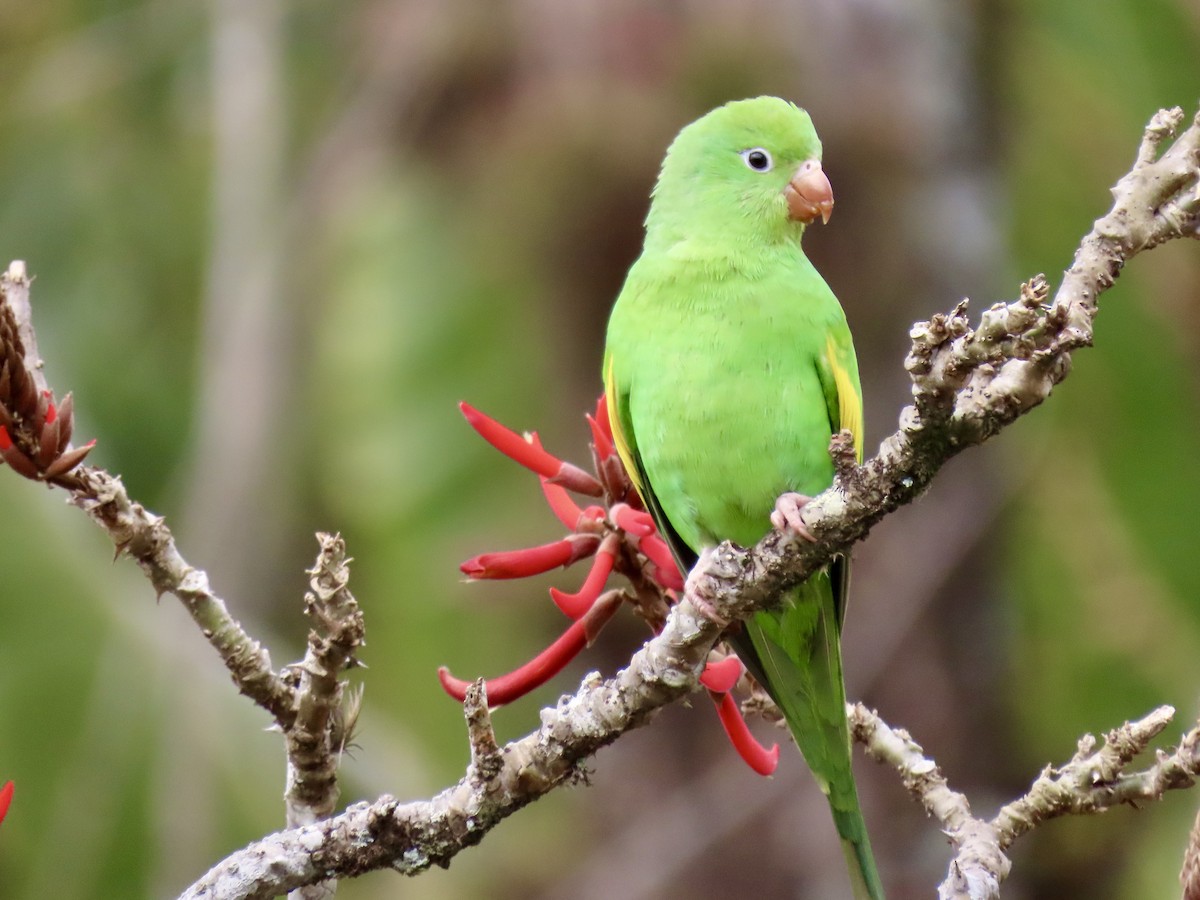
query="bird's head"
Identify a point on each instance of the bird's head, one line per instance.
(749, 168)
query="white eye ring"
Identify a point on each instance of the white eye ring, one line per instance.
(758, 159)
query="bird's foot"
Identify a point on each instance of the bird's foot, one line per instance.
(693, 590)
(788, 514)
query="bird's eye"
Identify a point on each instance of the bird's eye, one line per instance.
(758, 159)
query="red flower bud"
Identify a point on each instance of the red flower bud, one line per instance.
(48, 439)
(529, 453)
(6, 793)
(564, 508)
(546, 664)
(601, 441)
(720, 676)
(602, 418)
(532, 560)
(45, 400)
(66, 415)
(633, 521)
(524, 450)
(575, 605)
(69, 460)
(12, 454)
(667, 573)
(754, 754)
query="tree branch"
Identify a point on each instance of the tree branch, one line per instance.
(1091, 782)
(146, 538)
(323, 726)
(967, 383)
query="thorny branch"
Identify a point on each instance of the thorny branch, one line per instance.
(307, 702)
(968, 383)
(1092, 781)
(324, 723)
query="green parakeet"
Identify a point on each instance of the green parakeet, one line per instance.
(728, 367)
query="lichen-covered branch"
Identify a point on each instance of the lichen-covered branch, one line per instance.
(1189, 874)
(322, 728)
(1092, 781)
(324, 721)
(411, 837)
(35, 442)
(146, 538)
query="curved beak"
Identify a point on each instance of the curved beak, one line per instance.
(809, 194)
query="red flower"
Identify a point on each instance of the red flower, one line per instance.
(721, 675)
(6, 793)
(546, 664)
(529, 453)
(532, 560)
(621, 538)
(666, 572)
(577, 604)
(35, 435)
(756, 756)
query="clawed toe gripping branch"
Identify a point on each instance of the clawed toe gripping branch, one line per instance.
(968, 383)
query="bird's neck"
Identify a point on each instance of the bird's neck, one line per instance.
(717, 252)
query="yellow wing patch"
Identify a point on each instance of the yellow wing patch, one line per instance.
(850, 411)
(614, 420)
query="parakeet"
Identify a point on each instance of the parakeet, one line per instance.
(728, 367)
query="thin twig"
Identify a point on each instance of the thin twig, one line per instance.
(1093, 781)
(146, 538)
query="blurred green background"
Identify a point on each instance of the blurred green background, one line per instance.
(275, 243)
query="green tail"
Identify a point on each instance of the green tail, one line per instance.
(796, 655)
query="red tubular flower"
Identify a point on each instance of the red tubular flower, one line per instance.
(577, 604)
(666, 572)
(546, 664)
(564, 508)
(609, 532)
(528, 453)
(602, 419)
(532, 560)
(602, 440)
(6, 793)
(754, 754)
(637, 523)
(720, 677)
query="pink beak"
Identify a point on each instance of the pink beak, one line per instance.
(809, 194)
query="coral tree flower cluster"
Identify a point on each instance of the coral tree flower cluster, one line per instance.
(35, 430)
(617, 536)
